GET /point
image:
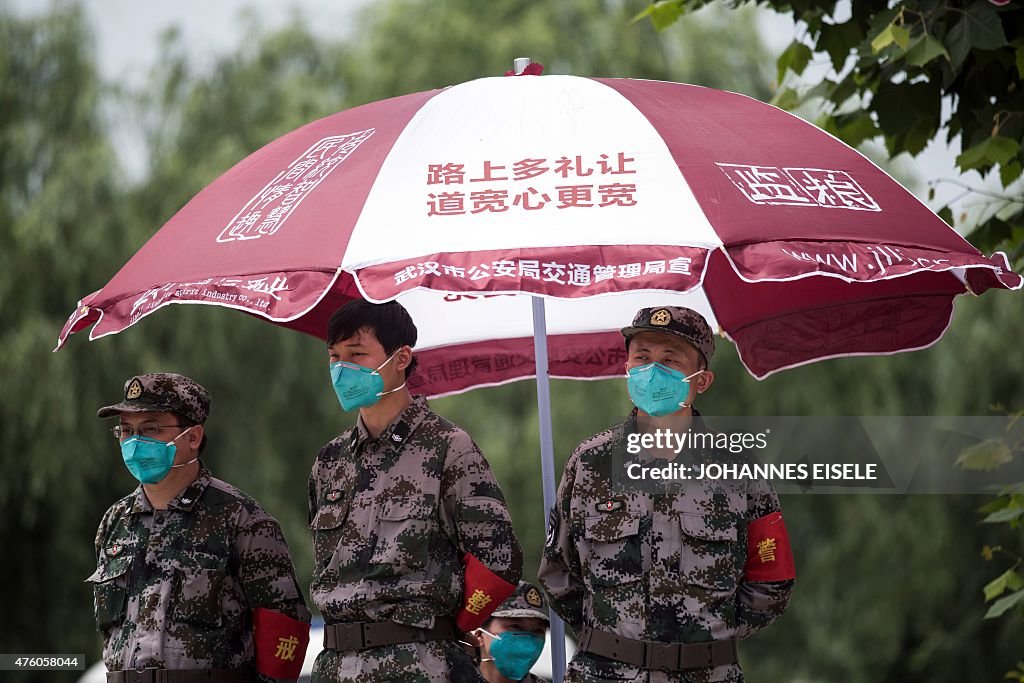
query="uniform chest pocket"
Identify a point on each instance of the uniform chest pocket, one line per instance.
(198, 592)
(710, 555)
(110, 590)
(610, 553)
(327, 528)
(404, 528)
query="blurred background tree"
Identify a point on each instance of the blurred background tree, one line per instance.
(888, 585)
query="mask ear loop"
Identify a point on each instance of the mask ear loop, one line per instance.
(377, 372)
(184, 464)
(481, 656)
(686, 379)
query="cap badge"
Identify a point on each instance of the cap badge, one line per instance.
(114, 550)
(661, 317)
(134, 390)
(533, 598)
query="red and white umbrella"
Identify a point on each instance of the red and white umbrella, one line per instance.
(599, 195)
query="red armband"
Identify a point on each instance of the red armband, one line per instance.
(482, 592)
(280, 643)
(769, 556)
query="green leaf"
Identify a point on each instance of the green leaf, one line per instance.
(787, 98)
(884, 39)
(985, 27)
(925, 50)
(838, 40)
(1004, 604)
(1008, 580)
(908, 107)
(664, 13)
(844, 90)
(984, 456)
(994, 150)
(988, 237)
(855, 127)
(1008, 172)
(1020, 60)
(1005, 515)
(795, 58)
(995, 504)
(979, 29)
(946, 214)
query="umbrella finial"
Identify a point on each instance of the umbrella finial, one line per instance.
(524, 66)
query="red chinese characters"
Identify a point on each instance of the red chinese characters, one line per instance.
(530, 184)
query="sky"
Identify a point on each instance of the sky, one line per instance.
(128, 34)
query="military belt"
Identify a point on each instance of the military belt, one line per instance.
(657, 655)
(360, 635)
(180, 676)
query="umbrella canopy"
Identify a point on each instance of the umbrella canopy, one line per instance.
(600, 195)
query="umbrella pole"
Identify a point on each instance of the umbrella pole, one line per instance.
(547, 463)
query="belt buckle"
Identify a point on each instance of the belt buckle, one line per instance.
(146, 675)
(696, 655)
(354, 638)
(661, 656)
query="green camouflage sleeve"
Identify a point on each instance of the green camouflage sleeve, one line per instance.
(560, 573)
(474, 510)
(266, 572)
(760, 603)
(312, 492)
(101, 534)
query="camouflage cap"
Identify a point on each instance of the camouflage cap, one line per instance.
(526, 601)
(682, 322)
(162, 391)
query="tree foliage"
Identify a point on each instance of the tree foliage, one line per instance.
(906, 73)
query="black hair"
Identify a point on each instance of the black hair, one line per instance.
(390, 323)
(187, 422)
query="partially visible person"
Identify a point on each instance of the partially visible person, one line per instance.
(511, 641)
(193, 579)
(413, 542)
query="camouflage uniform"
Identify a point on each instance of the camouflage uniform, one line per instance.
(391, 518)
(175, 588)
(654, 563)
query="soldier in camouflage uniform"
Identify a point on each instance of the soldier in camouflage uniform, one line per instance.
(660, 582)
(193, 580)
(511, 641)
(413, 541)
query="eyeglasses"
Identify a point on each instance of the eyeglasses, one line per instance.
(147, 429)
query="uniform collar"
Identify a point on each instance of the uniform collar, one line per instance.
(185, 501)
(399, 429)
(696, 425)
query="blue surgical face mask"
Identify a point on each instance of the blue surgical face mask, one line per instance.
(358, 387)
(514, 652)
(658, 390)
(149, 460)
